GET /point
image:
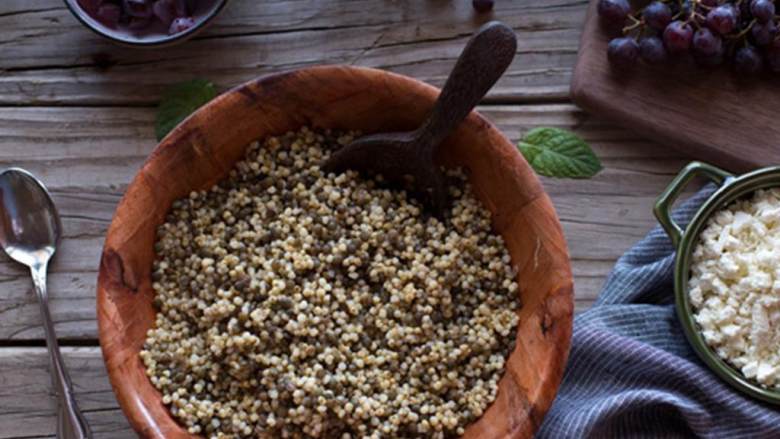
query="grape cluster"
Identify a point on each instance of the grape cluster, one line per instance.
(744, 32)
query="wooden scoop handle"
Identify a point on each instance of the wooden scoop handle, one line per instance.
(484, 59)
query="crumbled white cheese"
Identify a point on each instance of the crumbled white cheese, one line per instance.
(735, 286)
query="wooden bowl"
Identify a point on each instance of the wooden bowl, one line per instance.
(201, 151)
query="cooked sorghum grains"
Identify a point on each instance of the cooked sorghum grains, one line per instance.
(298, 304)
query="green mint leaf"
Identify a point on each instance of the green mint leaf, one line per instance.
(554, 152)
(179, 101)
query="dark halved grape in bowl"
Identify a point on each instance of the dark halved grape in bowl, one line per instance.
(145, 23)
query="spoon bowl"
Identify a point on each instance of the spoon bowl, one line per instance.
(30, 227)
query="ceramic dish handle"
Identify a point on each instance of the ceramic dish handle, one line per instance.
(663, 205)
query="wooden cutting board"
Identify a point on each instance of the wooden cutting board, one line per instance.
(712, 114)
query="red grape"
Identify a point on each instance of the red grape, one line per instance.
(622, 52)
(677, 37)
(705, 43)
(722, 20)
(614, 12)
(762, 10)
(764, 33)
(747, 61)
(652, 50)
(657, 15)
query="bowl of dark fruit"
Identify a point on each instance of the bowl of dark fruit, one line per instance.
(145, 23)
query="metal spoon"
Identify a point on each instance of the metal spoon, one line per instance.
(30, 229)
(394, 155)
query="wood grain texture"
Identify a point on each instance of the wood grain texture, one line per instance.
(27, 405)
(48, 58)
(202, 150)
(711, 114)
(89, 168)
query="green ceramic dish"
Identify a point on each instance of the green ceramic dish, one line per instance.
(731, 188)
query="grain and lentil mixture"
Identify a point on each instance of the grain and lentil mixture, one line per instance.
(298, 304)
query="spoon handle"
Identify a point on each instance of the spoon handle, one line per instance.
(484, 59)
(70, 422)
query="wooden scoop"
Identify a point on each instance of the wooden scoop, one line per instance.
(395, 155)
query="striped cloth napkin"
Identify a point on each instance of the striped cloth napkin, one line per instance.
(631, 373)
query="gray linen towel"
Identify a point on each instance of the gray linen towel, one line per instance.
(632, 374)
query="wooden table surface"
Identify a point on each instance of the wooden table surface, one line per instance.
(78, 112)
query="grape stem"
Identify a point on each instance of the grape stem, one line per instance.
(693, 14)
(628, 29)
(635, 20)
(695, 4)
(692, 19)
(743, 32)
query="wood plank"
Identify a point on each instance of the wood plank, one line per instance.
(27, 404)
(50, 59)
(87, 165)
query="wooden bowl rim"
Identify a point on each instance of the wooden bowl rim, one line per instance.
(139, 415)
